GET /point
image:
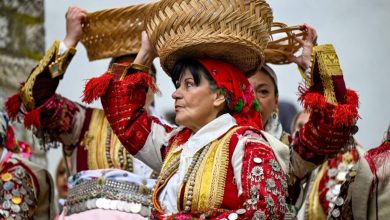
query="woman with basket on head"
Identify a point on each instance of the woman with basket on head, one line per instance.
(217, 163)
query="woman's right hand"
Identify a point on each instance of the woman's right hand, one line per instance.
(147, 52)
(307, 44)
(74, 18)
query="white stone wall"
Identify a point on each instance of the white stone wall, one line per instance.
(22, 44)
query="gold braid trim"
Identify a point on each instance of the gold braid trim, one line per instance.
(328, 66)
(314, 209)
(116, 149)
(60, 64)
(56, 68)
(209, 187)
(168, 169)
(27, 89)
(96, 147)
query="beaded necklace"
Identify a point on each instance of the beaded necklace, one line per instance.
(190, 175)
(189, 178)
(122, 154)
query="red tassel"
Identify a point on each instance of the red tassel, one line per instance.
(312, 100)
(33, 119)
(347, 114)
(378, 158)
(12, 106)
(139, 77)
(352, 98)
(341, 114)
(96, 87)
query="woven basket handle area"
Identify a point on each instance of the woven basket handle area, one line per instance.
(283, 43)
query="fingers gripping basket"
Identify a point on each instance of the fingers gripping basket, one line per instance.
(283, 43)
(236, 31)
(114, 32)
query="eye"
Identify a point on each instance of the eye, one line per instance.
(189, 84)
(262, 92)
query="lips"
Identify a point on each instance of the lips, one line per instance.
(178, 107)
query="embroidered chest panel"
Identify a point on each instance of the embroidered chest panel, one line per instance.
(204, 182)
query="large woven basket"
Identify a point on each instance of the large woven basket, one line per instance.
(114, 32)
(236, 31)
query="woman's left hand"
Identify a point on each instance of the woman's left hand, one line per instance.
(304, 60)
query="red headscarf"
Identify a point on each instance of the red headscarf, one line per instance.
(237, 90)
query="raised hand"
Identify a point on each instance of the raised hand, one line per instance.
(74, 18)
(303, 60)
(147, 52)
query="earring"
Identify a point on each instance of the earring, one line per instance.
(275, 113)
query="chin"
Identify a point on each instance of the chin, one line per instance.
(178, 121)
(181, 121)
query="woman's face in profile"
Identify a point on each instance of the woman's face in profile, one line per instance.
(194, 104)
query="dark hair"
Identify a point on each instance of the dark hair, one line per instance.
(196, 69)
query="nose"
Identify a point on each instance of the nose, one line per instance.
(177, 94)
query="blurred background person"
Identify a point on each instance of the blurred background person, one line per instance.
(61, 180)
(26, 189)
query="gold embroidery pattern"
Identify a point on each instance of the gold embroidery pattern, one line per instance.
(211, 175)
(27, 89)
(328, 66)
(169, 168)
(104, 148)
(96, 148)
(56, 68)
(314, 209)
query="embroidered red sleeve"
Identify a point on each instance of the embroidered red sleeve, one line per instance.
(329, 128)
(123, 105)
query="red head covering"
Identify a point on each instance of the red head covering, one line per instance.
(237, 90)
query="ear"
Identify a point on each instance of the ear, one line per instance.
(277, 101)
(219, 100)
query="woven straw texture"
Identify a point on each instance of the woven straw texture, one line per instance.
(283, 43)
(236, 31)
(114, 32)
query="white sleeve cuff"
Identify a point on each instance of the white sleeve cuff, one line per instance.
(62, 49)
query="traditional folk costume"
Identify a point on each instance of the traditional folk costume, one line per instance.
(353, 185)
(325, 94)
(225, 169)
(26, 190)
(105, 170)
(176, 169)
(326, 187)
